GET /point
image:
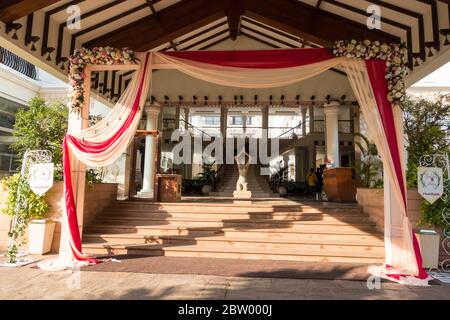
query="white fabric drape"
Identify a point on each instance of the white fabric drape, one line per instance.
(243, 78)
(398, 233)
(114, 120)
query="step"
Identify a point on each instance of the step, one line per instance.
(313, 218)
(217, 222)
(343, 216)
(183, 230)
(133, 238)
(234, 253)
(238, 206)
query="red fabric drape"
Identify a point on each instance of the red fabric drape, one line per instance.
(377, 75)
(91, 148)
(257, 59)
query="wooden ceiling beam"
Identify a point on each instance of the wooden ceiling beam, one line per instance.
(170, 23)
(310, 23)
(11, 10)
(234, 11)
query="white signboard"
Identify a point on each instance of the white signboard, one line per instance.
(431, 183)
(41, 177)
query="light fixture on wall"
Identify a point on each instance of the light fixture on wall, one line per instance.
(195, 99)
(328, 98)
(256, 99)
(429, 45)
(13, 27)
(206, 100)
(313, 98)
(220, 100)
(49, 52)
(166, 100)
(446, 33)
(32, 40)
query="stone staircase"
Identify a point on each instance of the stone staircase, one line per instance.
(266, 230)
(257, 184)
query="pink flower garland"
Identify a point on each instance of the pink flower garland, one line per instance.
(97, 56)
(395, 55)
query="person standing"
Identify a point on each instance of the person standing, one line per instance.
(312, 182)
(319, 175)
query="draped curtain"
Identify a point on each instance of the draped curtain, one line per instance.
(102, 144)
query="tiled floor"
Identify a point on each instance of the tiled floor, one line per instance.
(31, 283)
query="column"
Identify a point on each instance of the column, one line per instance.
(244, 122)
(186, 118)
(152, 111)
(223, 121)
(311, 117)
(188, 166)
(265, 122)
(332, 132)
(177, 117)
(304, 124)
(356, 117)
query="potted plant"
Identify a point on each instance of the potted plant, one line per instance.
(208, 176)
(31, 208)
(278, 178)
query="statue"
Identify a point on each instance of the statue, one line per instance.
(242, 185)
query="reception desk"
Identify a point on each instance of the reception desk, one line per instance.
(339, 185)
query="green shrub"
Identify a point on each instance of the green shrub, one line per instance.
(432, 214)
(30, 207)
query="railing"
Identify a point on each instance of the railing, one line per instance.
(345, 126)
(17, 63)
(293, 133)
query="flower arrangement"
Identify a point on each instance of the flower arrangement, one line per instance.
(395, 55)
(97, 56)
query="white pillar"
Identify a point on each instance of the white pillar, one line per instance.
(332, 132)
(152, 111)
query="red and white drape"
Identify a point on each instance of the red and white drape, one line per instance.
(102, 144)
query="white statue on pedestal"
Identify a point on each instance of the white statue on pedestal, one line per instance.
(242, 185)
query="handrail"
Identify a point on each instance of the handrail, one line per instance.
(196, 128)
(299, 126)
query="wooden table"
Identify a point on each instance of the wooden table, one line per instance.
(167, 188)
(339, 185)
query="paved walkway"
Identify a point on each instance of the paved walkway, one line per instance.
(31, 283)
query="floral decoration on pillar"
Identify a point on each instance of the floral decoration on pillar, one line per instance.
(395, 55)
(97, 56)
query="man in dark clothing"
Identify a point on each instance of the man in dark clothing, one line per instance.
(319, 175)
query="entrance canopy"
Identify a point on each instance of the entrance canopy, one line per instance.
(375, 71)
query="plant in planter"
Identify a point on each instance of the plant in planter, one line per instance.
(277, 178)
(30, 207)
(93, 177)
(42, 126)
(370, 161)
(208, 175)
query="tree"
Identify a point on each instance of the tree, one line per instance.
(41, 127)
(427, 127)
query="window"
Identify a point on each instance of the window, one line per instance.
(211, 121)
(236, 121)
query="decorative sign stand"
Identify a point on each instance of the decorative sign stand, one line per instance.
(37, 170)
(433, 180)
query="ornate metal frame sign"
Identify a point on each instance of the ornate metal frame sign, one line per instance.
(40, 177)
(431, 183)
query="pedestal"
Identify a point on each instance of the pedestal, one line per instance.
(168, 187)
(242, 194)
